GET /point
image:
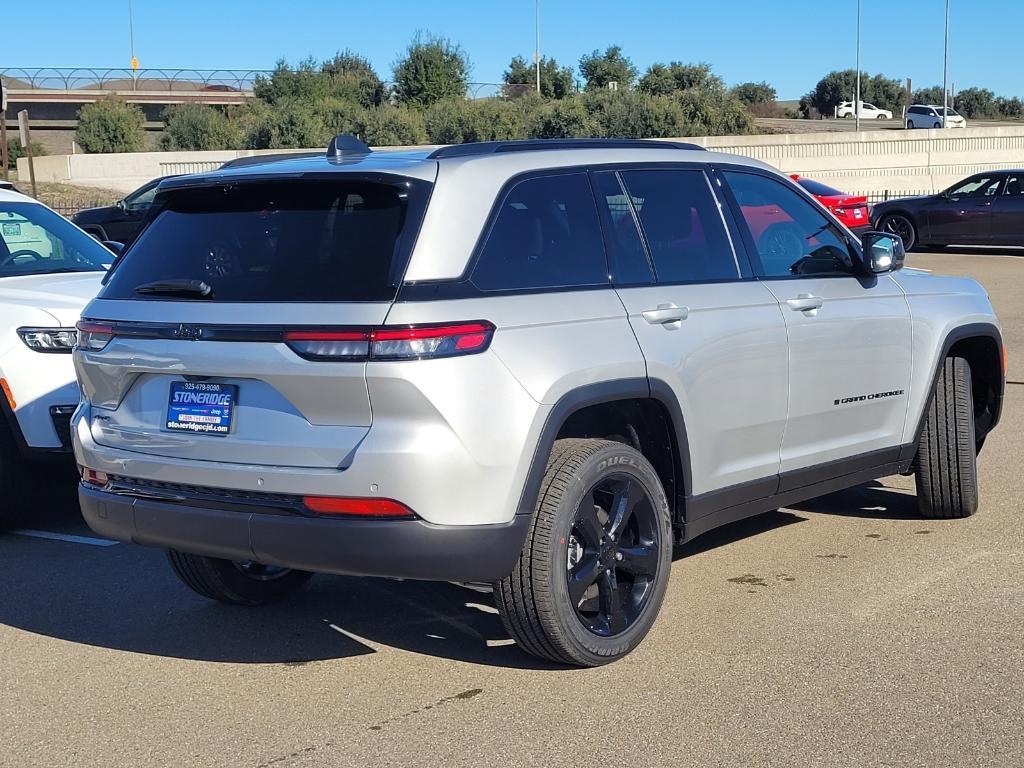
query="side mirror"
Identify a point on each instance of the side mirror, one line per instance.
(113, 246)
(882, 252)
(120, 204)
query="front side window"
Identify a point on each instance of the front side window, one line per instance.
(141, 198)
(545, 234)
(979, 186)
(681, 225)
(35, 240)
(1014, 186)
(791, 237)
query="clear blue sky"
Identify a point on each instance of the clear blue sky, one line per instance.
(789, 43)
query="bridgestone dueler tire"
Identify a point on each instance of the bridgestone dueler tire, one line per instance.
(223, 581)
(947, 468)
(533, 600)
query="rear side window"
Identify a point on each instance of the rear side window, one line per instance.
(545, 235)
(681, 225)
(818, 189)
(279, 241)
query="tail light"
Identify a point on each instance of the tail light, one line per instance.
(356, 507)
(93, 336)
(414, 342)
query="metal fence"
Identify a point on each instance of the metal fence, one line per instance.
(881, 197)
(165, 80)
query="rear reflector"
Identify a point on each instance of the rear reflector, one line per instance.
(412, 342)
(332, 505)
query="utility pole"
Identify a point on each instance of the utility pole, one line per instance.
(536, 53)
(945, 71)
(856, 100)
(3, 130)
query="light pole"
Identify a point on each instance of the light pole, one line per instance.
(131, 45)
(536, 53)
(945, 71)
(856, 99)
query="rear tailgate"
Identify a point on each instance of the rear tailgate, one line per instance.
(276, 260)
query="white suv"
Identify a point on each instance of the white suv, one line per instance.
(930, 116)
(49, 269)
(867, 111)
(534, 363)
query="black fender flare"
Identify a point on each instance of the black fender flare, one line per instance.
(639, 388)
(955, 335)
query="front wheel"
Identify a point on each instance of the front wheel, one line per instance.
(593, 572)
(236, 582)
(898, 224)
(910, 124)
(947, 464)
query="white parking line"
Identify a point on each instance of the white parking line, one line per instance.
(65, 537)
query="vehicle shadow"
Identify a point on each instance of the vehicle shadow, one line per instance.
(125, 598)
(872, 501)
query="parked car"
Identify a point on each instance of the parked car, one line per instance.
(852, 210)
(121, 221)
(49, 270)
(930, 116)
(538, 364)
(868, 111)
(983, 209)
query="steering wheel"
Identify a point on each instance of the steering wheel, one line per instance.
(19, 254)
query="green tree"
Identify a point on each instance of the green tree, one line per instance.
(1010, 107)
(976, 102)
(555, 82)
(841, 85)
(286, 84)
(931, 95)
(664, 79)
(110, 125)
(433, 68)
(636, 115)
(350, 76)
(599, 69)
(198, 126)
(755, 93)
(714, 114)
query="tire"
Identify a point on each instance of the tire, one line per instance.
(600, 622)
(937, 125)
(947, 466)
(236, 583)
(13, 478)
(910, 124)
(882, 117)
(900, 224)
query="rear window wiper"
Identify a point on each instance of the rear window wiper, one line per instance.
(190, 288)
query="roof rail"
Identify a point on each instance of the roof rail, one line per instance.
(529, 145)
(347, 144)
(261, 159)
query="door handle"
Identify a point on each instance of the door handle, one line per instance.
(666, 314)
(805, 302)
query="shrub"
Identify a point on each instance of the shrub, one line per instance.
(389, 126)
(433, 68)
(14, 151)
(665, 79)
(291, 126)
(339, 115)
(564, 119)
(351, 77)
(714, 114)
(198, 126)
(110, 125)
(455, 121)
(755, 93)
(640, 116)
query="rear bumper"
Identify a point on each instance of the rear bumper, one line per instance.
(408, 549)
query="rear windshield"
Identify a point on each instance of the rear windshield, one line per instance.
(818, 189)
(280, 241)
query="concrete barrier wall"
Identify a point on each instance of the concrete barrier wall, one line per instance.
(896, 161)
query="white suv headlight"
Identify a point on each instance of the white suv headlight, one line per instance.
(49, 339)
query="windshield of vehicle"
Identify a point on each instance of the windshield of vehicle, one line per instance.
(818, 189)
(34, 240)
(277, 241)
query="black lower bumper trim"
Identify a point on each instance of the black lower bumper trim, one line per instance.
(407, 549)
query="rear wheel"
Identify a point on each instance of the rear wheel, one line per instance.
(937, 125)
(898, 224)
(243, 582)
(910, 123)
(595, 565)
(947, 467)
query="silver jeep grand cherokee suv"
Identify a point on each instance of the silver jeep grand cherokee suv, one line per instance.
(536, 364)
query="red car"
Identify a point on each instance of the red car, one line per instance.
(852, 210)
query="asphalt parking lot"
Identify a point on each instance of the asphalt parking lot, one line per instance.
(846, 631)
